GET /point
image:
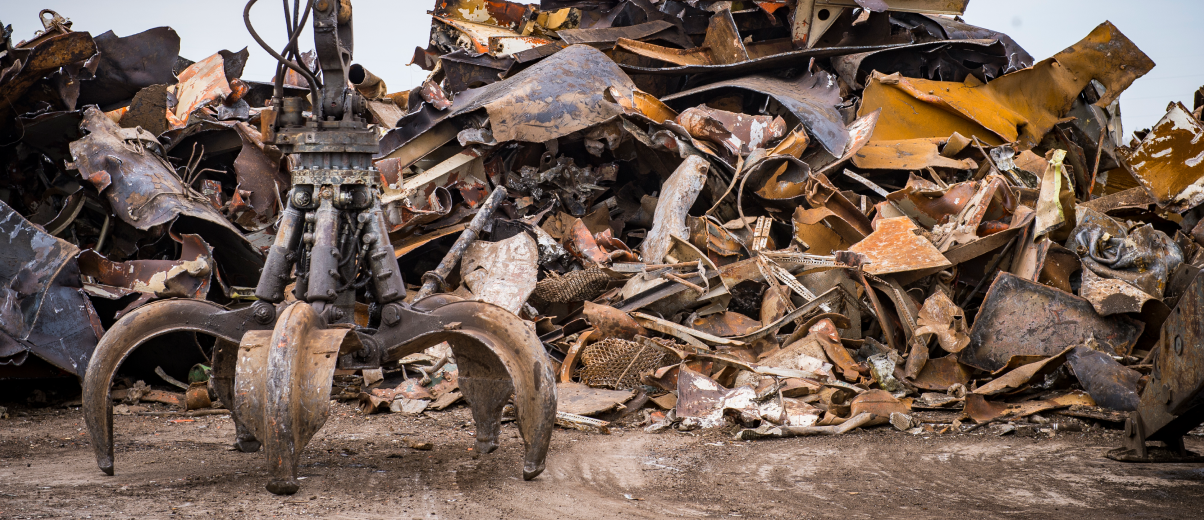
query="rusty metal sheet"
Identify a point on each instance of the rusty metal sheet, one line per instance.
(739, 133)
(1130, 199)
(612, 322)
(825, 333)
(581, 243)
(43, 309)
(754, 65)
(46, 56)
(144, 191)
(817, 237)
(1021, 376)
(939, 60)
(579, 399)
(677, 196)
(1018, 107)
(810, 97)
(505, 46)
(703, 402)
(463, 70)
(1110, 296)
(880, 403)
(501, 13)
(129, 64)
(202, 83)
(470, 36)
(910, 154)
(606, 37)
(722, 45)
(981, 411)
(257, 168)
(1169, 161)
(860, 131)
(902, 118)
(947, 204)
(896, 247)
(552, 98)
(942, 318)
(188, 277)
(941, 373)
(1006, 325)
(502, 273)
(725, 324)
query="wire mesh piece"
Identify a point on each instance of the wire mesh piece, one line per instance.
(617, 364)
(575, 286)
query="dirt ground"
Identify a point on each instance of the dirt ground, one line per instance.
(360, 467)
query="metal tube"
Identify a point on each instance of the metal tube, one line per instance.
(324, 262)
(433, 280)
(275, 274)
(386, 276)
(366, 83)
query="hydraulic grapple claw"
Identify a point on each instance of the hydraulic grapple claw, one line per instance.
(274, 371)
(135, 329)
(282, 386)
(499, 357)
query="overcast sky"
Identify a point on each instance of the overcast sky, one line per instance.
(388, 31)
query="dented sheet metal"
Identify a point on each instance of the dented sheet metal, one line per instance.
(43, 309)
(897, 247)
(502, 273)
(202, 83)
(1021, 106)
(911, 154)
(551, 99)
(1006, 325)
(1169, 162)
(129, 64)
(188, 277)
(669, 220)
(141, 186)
(812, 98)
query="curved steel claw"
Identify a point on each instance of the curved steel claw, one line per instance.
(151, 321)
(497, 355)
(282, 386)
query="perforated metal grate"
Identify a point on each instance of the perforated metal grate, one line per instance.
(576, 286)
(616, 363)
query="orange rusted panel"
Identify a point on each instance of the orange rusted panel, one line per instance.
(1170, 159)
(1018, 107)
(896, 247)
(908, 154)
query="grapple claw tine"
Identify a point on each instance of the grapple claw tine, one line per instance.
(282, 386)
(498, 353)
(487, 398)
(129, 333)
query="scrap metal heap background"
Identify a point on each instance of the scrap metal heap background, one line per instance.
(800, 217)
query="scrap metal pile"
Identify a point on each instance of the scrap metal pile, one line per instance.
(796, 216)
